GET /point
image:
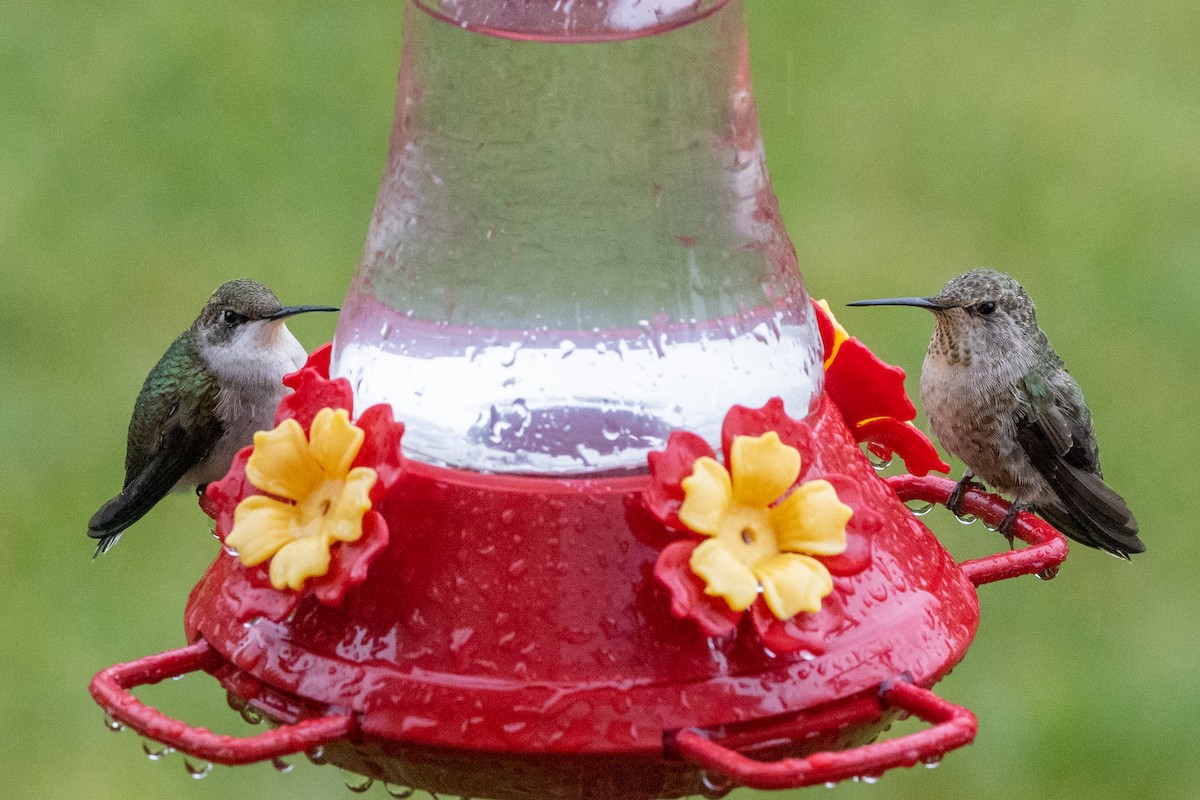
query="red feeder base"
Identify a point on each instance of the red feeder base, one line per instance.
(520, 647)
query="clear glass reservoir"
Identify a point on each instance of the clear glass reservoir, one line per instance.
(575, 249)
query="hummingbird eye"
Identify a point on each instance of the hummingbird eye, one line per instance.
(232, 318)
(986, 308)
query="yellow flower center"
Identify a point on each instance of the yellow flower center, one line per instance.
(759, 542)
(747, 533)
(312, 512)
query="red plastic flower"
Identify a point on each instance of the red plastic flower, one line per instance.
(760, 536)
(300, 506)
(871, 398)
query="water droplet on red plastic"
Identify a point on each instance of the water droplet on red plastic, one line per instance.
(714, 785)
(459, 637)
(919, 508)
(965, 519)
(1048, 574)
(197, 771)
(112, 723)
(155, 750)
(933, 762)
(250, 714)
(282, 766)
(316, 755)
(355, 782)
(879, 464)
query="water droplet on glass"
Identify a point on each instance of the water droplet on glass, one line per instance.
(112, 723)
(761, 333)
(282, 766)
(919, 508)
(932, 762)
(714, 785)
(399, 792)
(250, 714)
(880, 464)
(510, 358)
(155, 750)
(1048, 574)
(589, 456)
(355, 782)
(316, 755)
(197, 771)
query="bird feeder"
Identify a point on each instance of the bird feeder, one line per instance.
(577, 355)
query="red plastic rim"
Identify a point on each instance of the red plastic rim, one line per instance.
(1048, 547)
(954, 726)
(111, 689)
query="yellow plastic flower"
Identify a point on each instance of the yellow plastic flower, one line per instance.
(757, 541)
(328, 498)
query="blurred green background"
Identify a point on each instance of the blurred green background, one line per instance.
(149, 151)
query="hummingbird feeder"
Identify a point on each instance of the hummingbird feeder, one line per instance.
(576, 505)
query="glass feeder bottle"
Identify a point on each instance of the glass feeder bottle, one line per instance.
(575, 249)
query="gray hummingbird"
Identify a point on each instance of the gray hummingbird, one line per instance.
(1000, 398)
(216, 385)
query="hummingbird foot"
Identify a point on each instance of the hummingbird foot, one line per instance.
(955, 500)
(1006, 524)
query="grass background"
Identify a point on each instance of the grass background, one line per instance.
(149, 151)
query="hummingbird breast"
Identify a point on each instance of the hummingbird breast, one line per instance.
(250, 372)
(973, 410)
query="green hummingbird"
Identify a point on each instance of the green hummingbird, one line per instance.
(998, 396)
(216, 385)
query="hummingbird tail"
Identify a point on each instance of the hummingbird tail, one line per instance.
(1083, 506)
(1120, 540)
(105, 544)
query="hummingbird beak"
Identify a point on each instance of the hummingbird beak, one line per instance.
(917, 302)
(291, 311)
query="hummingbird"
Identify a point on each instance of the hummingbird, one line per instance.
(218, 383)
(999, 398)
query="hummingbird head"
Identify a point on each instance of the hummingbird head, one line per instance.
(243, 322)
(980, 314)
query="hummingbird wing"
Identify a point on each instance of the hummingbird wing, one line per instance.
(174, 427)
(1056, 435)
